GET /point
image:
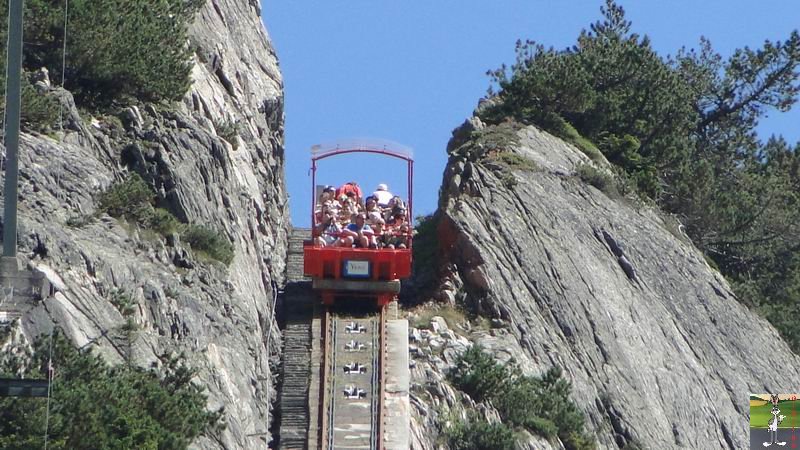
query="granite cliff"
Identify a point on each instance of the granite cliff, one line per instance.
(220, 318)
(659, 351)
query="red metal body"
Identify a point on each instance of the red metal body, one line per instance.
(328, 262)
(385, 265)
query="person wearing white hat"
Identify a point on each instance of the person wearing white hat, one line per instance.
(383, 195)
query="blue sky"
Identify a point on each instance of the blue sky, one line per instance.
(412, 71)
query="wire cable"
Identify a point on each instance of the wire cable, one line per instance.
(63, 65)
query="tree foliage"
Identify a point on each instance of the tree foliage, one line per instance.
(684, 131)
(612, 87)
(539, 404)
(117, 50)
(94, 405)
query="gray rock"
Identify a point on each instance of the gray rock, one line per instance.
(438, 324)
(221, 318)
(632, 314)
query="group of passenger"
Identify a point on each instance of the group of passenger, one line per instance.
(345, 219)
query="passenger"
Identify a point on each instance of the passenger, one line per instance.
(382, 234)
(328, 230)
(327, 199)
(398, 230)
(359, 233)
(397, 217)
(372, 211)
(382, 195)
(350, 206)
(395, 203)
(399, 239)
(350, 187)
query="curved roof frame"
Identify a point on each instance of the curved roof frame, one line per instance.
(374, 146)
(377, 146)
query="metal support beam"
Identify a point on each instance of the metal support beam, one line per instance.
(13, 103)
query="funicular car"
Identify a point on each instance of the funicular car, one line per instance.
(358, 272)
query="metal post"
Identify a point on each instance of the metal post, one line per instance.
(411, 191)
(313, 197)
(13, 74)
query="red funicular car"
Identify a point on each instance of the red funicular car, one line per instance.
(345, 271)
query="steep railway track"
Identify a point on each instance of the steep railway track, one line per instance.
(351, 409)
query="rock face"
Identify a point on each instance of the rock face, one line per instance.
(220, 317)
(659, 351)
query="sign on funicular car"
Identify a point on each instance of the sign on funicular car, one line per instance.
(356, 269)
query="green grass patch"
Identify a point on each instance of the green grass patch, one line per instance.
(566, 131)
(164, 222)
(497, 137)
(514, 160)
(453, 315)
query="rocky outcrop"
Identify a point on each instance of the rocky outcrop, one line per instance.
(434, 349)
(220, 318)
(658, 349)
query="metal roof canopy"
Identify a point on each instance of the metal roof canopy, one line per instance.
(361, 145)
(11, 387)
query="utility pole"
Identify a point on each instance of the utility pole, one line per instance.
(13, 102)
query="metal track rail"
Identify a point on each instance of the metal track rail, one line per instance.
(351, 407)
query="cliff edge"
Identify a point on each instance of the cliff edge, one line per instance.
(659, 352)
(215, 159)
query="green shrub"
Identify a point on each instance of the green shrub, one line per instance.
(209, 242)
(541, 405)
(477, 374)
(123, 302)
(130, 199)
(94, 405)
(543, 427)
(514, 160)
(40, 112)
(164, 222)
(80, 220)
(591, 175)
(478, 434)
(228, 131)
